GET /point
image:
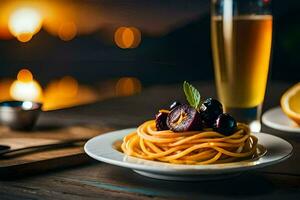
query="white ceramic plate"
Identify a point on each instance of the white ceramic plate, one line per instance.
(276, 119)
(102, 148)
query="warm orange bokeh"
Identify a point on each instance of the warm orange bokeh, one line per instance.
(25, 88)
(127, 37)
(24, 37)
(4, 32)
(68, 86)
(137, 37)
(4, 88)
(118, 37)
(24, 75)
(127, 86)
(67, 31)
(24, 22)
(66, 92)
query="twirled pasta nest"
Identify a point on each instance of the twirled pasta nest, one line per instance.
(193, 147)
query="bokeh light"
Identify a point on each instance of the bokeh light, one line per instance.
(27, 105)
(24, 75)
(118, 37)
(24, 23)
(67, 31)
(4, 32)
(25, 88)
(4, 88)
(127, 86)
(66, 92)
(137, 37)
(127, 37)
(67, 87)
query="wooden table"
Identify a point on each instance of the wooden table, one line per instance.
(97, 180)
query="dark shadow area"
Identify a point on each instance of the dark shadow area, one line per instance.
(244, 185)
(181, 53)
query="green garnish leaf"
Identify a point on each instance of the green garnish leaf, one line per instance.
(192, 94)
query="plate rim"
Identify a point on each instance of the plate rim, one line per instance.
(179, 169)
(277, 126)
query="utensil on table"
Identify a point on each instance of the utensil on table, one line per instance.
(6, 148)
(19, 115)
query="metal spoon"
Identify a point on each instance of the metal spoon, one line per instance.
(5, 149)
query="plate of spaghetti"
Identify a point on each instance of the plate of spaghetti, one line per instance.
(195, 141)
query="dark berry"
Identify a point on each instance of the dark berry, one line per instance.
(175, 104)
(225, 124)
(184, 118)
(210, 109)
(161, 121)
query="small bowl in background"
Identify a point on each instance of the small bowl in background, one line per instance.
(19, 115)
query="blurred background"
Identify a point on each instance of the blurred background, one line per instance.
(82, 51)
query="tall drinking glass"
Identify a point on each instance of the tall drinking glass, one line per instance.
(241, 33)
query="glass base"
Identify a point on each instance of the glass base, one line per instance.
(250, 116)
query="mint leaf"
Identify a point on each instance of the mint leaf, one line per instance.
(192, 94)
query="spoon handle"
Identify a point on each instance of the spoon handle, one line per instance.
(4, 151)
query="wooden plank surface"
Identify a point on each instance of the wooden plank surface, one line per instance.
(109, 182)
(102, 181)
(41, 159)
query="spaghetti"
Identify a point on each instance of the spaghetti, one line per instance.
(193, 147)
